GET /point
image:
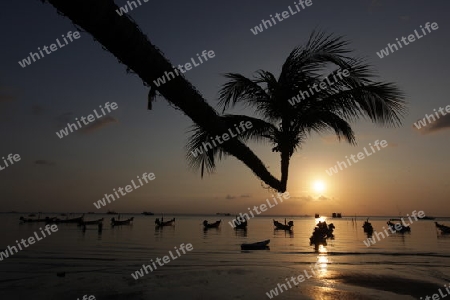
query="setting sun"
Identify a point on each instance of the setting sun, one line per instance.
(319, 186)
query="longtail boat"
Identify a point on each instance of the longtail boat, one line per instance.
(73, 220)
(240, 223)
(368, 227)
(161, 223)
(93, 222)
(256, 246)
(216, 224)
(398, 226)
(444, 229)
(115, 222)
(31, 220)
(281, 226)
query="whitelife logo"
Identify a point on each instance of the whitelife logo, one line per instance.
(391, 48)
(300, 278)
(280, 17)
(187, 66)
(225, 137)
(166, 259)
(90, 118)
(12, 158)
(49, 229)
(124, 9)
(128, 189)
(323, 85)
(360, 156)
(35, 56)
(430, 118)
(371, 241)
(263, 207)
(85, 297)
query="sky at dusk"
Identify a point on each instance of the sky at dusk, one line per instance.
(69, 174)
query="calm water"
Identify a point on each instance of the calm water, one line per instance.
(101, 264)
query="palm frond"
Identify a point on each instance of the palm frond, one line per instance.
(260, 130)
(198, 155)
(241, 89)
(320, 121)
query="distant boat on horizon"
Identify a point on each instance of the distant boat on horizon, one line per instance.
(148, 213)
(111, 212)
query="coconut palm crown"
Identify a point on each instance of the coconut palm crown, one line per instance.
(293, 106)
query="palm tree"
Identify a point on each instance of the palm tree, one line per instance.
(292, 106)
(121, 36)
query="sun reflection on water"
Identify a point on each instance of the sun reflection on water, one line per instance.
(320, 219)
(322, 261)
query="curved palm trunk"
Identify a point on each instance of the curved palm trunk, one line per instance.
(285, 158)
(123, 38)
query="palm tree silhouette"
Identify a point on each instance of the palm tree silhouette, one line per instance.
(381, 102)
(286, 118)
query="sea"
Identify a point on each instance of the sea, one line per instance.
(73, 263)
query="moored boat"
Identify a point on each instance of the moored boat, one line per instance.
(207, 225)
(161, 223)
(38, 220)
(444, 229)
(398, 226)
(368, 227)
(115, 222)
(281, 226)
(256, 246)
(241, 223)
(93, 222)
(72, 220)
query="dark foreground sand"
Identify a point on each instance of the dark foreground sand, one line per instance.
(218, 282)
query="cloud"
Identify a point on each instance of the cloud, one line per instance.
(443, 123)
(303, 198)
(323, 198)
(229, 197)
(98, 124)
(44, 162)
